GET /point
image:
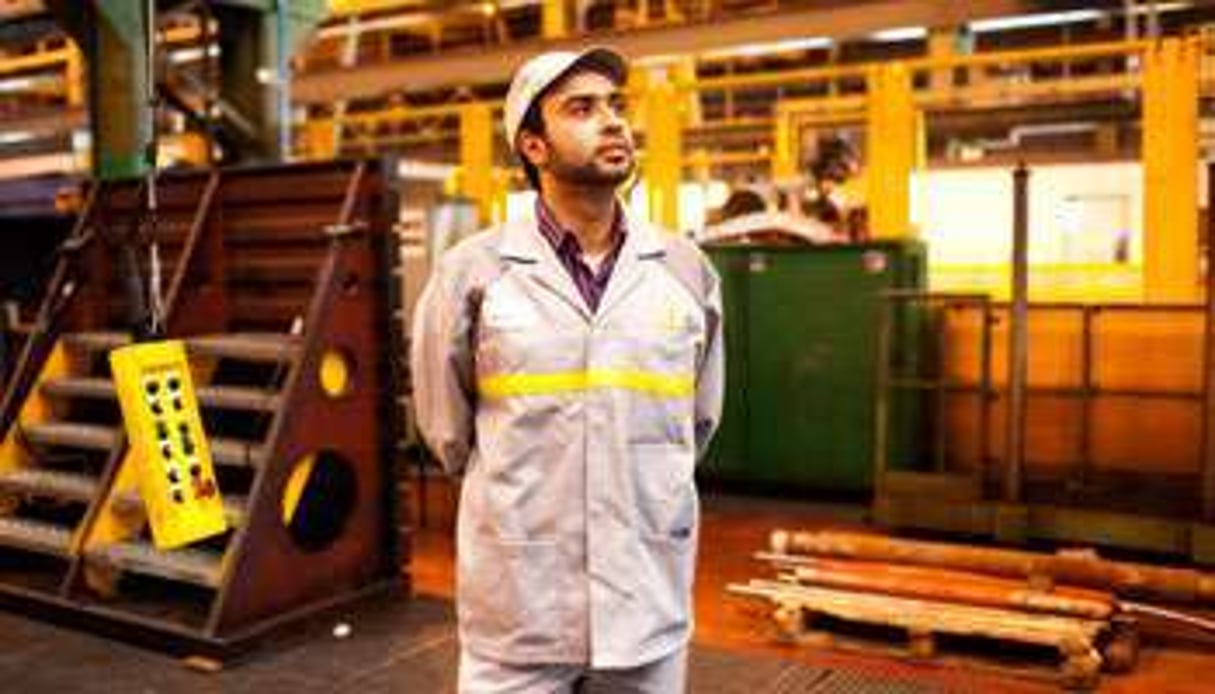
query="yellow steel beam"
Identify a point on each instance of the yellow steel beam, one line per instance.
(662, 121)
(35, 61)
(726, 30)
(893, 146)
(1170, 162)
(345, 8)
(477, 157)
(942, 45)
(398, 114)
(74, 77)
(553, 19)
(37, 408)
(320, 139)
(990, 94)
(785, 144)
(1056, 54)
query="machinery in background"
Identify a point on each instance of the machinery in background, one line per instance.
(279, 286)
(802, 334)
(1069, 423)
(36, 214)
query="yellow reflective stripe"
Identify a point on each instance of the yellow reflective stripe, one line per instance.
(515, 385)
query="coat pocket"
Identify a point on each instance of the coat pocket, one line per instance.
(510, 593)
(671, 568)
(664, 491)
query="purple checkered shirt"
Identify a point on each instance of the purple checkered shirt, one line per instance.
(590, 284)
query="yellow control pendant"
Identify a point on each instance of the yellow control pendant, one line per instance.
(165, 432)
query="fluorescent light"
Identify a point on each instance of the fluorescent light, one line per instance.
(1161, 7)
(1029, 21)
(355, 25)
(419, 170)
(23, 167)
(899, 34)
(752, 50)
(190, 55)
(15, 137)
(18, 84)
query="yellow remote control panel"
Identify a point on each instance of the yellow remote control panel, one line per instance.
(165, 432)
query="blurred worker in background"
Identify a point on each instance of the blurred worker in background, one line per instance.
(835, 163)
(570, 366)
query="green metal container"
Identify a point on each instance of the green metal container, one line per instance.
(802, 328)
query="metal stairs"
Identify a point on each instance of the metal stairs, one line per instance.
(303, 458)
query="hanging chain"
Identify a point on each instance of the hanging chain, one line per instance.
(155, 283)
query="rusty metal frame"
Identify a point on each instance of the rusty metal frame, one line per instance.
(265, 581)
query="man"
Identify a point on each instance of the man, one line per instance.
(570, 366)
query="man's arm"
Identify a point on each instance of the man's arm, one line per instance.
(441, 364)
(711, 373)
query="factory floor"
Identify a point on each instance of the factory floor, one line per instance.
(392, 645)
(733, 528)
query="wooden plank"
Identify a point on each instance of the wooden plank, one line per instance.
(931, 616)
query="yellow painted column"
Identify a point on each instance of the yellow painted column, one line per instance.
(663, 166)
(477, 157)
(785, 146)
(1170, 167)
(942, 46)
(684, 75)
(553, 20)
(74, 76)
(319, 139)
(894, 145)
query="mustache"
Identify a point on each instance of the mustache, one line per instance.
(623, 145)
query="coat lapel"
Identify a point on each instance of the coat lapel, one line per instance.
(642, 244)
(523, 244)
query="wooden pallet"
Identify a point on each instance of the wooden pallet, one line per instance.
(1085, 646)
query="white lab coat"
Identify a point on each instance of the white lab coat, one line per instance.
(577, 434)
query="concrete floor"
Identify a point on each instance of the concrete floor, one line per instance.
(410, 646)
(1171, 662)
(394, 646)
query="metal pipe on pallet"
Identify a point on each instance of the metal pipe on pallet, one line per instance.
(1122, 578)
(959, 587)
(1018, 342)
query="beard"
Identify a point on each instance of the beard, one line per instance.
(592, 173)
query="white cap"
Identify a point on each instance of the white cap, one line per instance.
(538, 73)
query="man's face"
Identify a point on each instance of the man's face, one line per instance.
(587, 140)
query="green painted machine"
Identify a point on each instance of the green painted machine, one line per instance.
(802, 327)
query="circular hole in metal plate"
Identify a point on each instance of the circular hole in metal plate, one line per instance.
(318, 499)
(336, 373)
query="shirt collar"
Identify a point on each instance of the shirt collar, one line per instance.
(557, 235)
